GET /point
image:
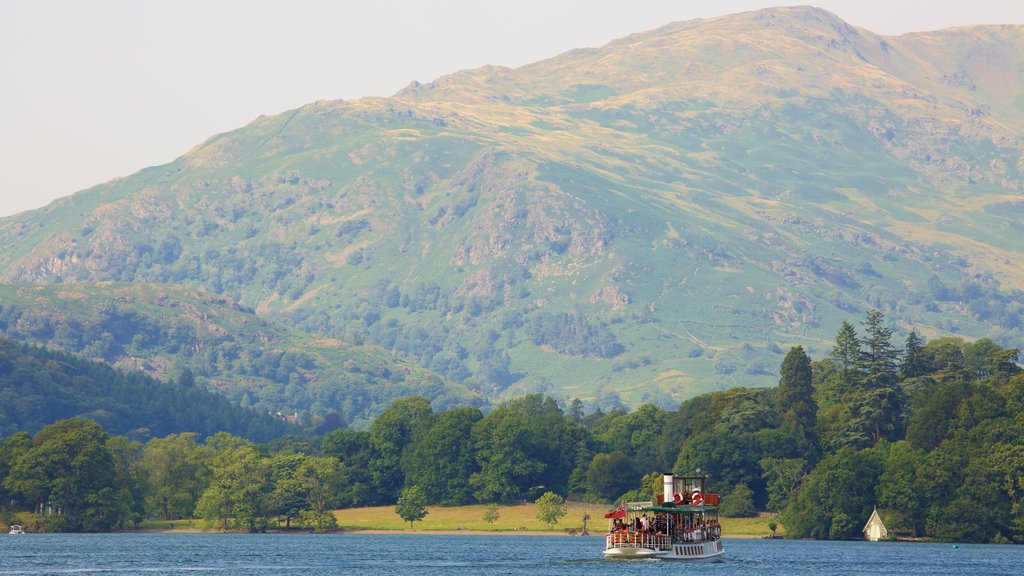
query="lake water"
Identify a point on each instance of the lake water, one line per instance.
(427, 555)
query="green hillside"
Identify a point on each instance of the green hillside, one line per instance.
(164, 330)
(645, 221)
(40, 386)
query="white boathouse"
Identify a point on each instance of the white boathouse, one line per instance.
(874, 530)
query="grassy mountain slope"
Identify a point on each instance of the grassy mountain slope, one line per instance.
(163, 330)
(648, 220)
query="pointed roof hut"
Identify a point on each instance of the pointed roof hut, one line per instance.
(874, 530)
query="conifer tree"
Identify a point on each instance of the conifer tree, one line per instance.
(878, 356)
(797, 408)
(915, 362)
(846, 352)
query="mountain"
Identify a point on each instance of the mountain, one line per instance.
(164, 330)
(644, 221)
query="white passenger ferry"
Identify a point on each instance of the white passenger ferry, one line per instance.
(681, 525)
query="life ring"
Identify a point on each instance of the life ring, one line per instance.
(678, 498)
(697, 498)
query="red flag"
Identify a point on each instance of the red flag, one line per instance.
(619, 512)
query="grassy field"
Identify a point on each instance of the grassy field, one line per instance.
(190, 524)
(517, 518)
(511, 518)
(514, 518)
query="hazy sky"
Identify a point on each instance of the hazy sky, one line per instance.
(91, 90)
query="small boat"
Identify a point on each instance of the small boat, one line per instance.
(16, 529)
(681, 525)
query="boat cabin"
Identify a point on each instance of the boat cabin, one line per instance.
(681, 522)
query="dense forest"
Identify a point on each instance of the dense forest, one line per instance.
(166, 330)
(39, 386)
(932, 434)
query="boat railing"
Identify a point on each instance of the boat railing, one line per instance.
(710, 532)
(651, 540)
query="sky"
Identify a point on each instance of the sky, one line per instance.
(99, 89)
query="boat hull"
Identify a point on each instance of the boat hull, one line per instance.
(633, 553)
(710, 551)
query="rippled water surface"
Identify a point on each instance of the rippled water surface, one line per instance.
(422, 555)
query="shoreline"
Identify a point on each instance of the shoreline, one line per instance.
(384, 532)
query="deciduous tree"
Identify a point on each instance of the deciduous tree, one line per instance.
(611, 475)
(412, 505)
(70, 468)
(178, 473)
(550, 508)
(491, 514)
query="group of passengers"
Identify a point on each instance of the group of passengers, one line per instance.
(658, 525)
(642, 524)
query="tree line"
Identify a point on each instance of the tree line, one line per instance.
(932, 434)
(39, 386)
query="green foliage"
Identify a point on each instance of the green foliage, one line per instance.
(38, 386)
(898, 488)
(915, 362)
(636, 433)
(838, 493)
(878, 358)
(287, 498)
(961, 445)
(796, 393)
(69, 468)
(609, 475)
(491, 514)
(782, 476)
(353, 450)
(573, 335)
(412, 505)
(739, 503)
(222, 346)
(239, 492)
(178, 471)
(725, 457)
(391, 438)
(129, 479)
(522, 446)
(935, 413)
(550, 508)
(441, 458)
(847, 353)
(318, 521)
(318, 479)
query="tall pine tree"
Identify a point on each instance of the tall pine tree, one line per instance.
(915, 362)
(846, 353)
(878, 356)
(797, 408)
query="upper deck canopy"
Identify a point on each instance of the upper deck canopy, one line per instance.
(672, 509)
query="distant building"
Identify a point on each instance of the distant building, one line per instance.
(874, 530)
(289, 418)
